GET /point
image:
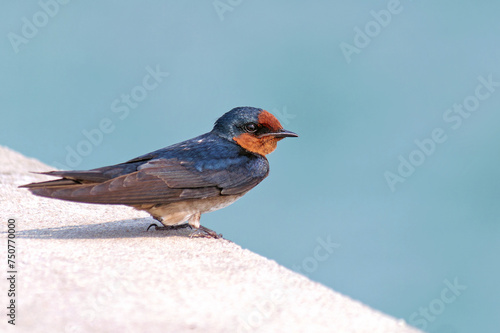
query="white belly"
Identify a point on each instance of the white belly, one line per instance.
(190, 210)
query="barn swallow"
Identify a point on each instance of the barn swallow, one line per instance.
(178, 183)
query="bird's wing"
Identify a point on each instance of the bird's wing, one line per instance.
(158, 181)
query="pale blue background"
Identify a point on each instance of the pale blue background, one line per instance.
(354, 120)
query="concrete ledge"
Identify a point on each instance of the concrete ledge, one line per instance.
(94, 268)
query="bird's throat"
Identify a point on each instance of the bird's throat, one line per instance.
(262, 146)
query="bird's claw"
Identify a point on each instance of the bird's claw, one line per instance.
(152, 225)
(206, 233)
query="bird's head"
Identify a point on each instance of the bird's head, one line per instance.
(254, 129)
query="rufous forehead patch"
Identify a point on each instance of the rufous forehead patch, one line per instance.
(270, 121)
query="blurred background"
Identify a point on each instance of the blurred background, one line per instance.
(389, 195)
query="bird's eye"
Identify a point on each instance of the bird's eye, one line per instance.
(251, 127)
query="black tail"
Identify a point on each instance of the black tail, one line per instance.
(66, 188)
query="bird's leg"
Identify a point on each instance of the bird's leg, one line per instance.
(199, 230)
(193, 223)
(166, 227)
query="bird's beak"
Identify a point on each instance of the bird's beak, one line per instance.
(280, 134)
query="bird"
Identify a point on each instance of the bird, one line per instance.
(178, 183)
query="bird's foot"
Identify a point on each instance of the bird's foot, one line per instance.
(206, 233)
(168, 227)
(198, 232)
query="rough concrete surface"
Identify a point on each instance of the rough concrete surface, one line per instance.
(95, 268)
